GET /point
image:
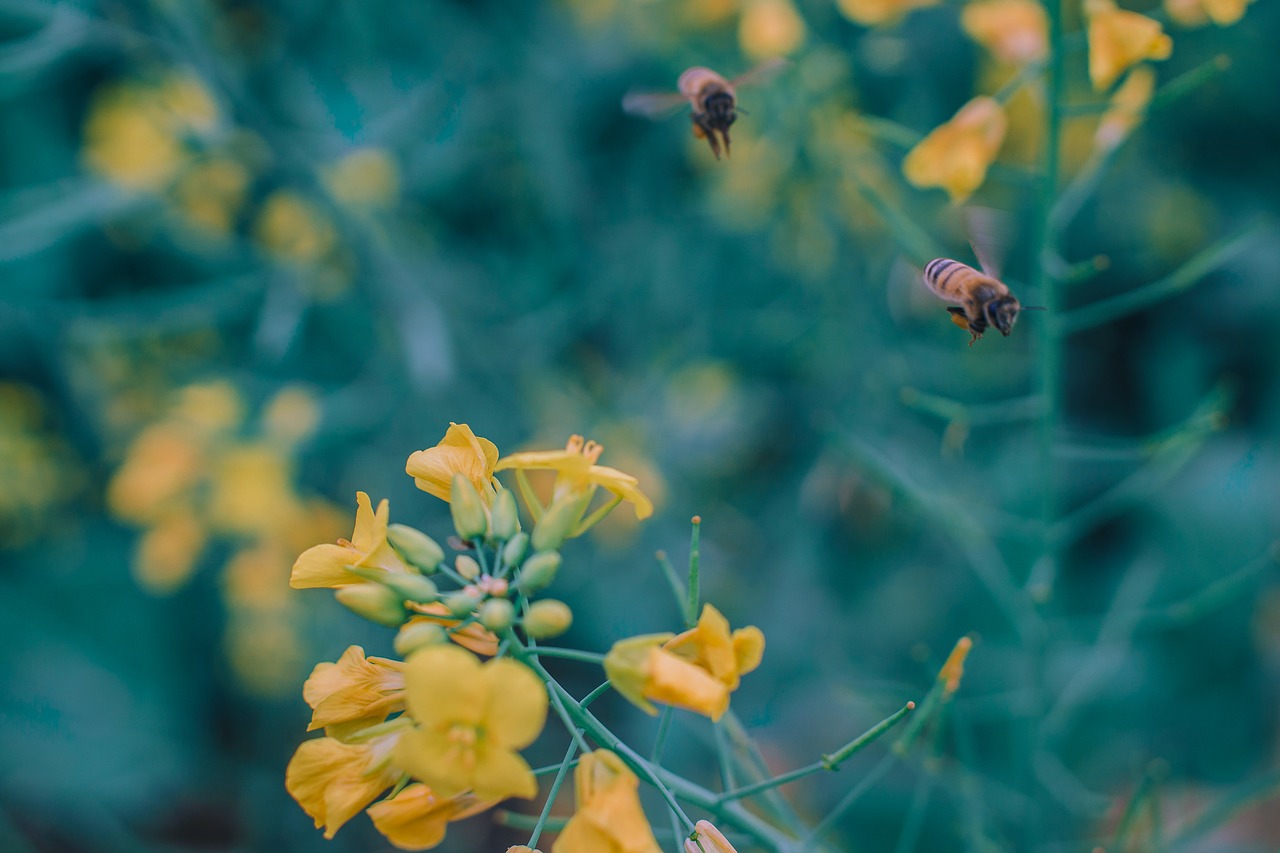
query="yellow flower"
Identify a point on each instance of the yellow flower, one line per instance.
(355, 690)
(644, 673)
(770, 28)
(209, 194)
(291, 415)
(163, 464)
(1119, 40)
(168, 551)
(293, 229)
(473, 636)
(710, 840)
(872, 13)
(367, 178)
(461, 451)
(416, 818)
(578, 474)
(710, 646)
(326, 565)
(471, 719)
(1128, 106)
(1193, 13)
(608, 817)
(332, 780)
(251, 490)
(1015, 31)
(956, 155)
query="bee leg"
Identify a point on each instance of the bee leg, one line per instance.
(724, 134)
(702, 130)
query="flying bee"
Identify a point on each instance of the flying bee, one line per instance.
(713, 99)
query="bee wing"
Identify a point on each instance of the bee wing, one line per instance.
(989, 231)
(653, 105)
(762, 73)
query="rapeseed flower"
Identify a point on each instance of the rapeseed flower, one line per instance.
(461, 451)
(417, 817)
(1119, 39)
(770, 28)
(471, 636)
(956, 155)
(333, 780)
(1014, 31)
(710, 840)
(326, 565)
(1194, 13)
(1128, 106)
(710, 646)
(871, 13)
(471, 719)
(608, 817)
(578, 475)
(355, 690)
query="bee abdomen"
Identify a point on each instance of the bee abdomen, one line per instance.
(939, 272)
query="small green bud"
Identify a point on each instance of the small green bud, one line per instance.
(513, 552)
(470, 518)
(497, 614)
(538, 571)
(461, 604)
(547, 618)
(413, 587)
(558, 522)
(374, 602)
(467, 566)
(416, 547)
(504, 519)
(419, 635)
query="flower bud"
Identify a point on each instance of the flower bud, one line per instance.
(547, 618)
(710, 840)
(374, 602)
(504, 519)
(470, 518)
(461, 604)
(497, 614)
(538, 572)
(413, 587)
(558, 522)
(418, 635)
(513, 552)
(467, 567)
(416, 547)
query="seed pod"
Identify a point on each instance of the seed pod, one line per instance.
(374, 602)
(470, 517)
(547, 618)
(416, 547)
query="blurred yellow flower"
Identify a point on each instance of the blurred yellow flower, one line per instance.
(471, 718)
(38, 472)
(291, 415)
(168, 551)
(209, 194)
(355, 690)
(710, 840)
(461, 451)
(326, 565)
(644, 673)
(211, 407)
(1128, 106)
(1014, 31)
(332, 780)
(770, 28)
(188, 102)
(710, 645)
(1119, 40)
(1194, 13)
(473, 636)
(251, 490)
(416, 818)
(163, 464)
(367, 177)
(956, 155)
(871, 13)
(608, 817)
(293, 229)
(577, 474)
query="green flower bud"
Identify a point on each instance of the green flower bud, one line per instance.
(467, 567)
(470, 518)
(504, 521)
(413, 587)
(513, 552)
(461, 604)
(558, 523)
(538, 572)
(416, 547)
(419, 635)
(497, 614)
(547, 618)
(374, 602)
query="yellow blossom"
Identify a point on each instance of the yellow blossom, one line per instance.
(608, 817)
(293, 229)
(367, 177)
(326, 565)
(871, 13)
(1015, 31)
(956, 155)
(1128, 106)
(356, 689)
(710, 840)
(578, 474)
(332, 780)
(471, 718)
(770, 28)
(210, 407)
(291, 415)
(473, 636)
(209, 194)
(168, 551)
(461, 451)
(1119, 40)
(644, 673)
(416, 818)
(163, 464)
(1194, 13)
(251, 490)
(712, 647)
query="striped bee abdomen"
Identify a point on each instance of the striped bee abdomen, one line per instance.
(939, 272)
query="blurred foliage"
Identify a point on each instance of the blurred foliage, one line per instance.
(431, 211)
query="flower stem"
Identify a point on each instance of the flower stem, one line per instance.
(695, 591)
(595, 694)
(555, 789)
(568, 654)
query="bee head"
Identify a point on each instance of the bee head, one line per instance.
(1002, 313)
(719, 107)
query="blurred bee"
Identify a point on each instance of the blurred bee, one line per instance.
(712, 97)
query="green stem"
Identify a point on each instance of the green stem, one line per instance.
(568, 654)
(695, 591)
(595, 517)
(677, 585)
(555, 790)
(660, 741)
(595, 694)
(530, 499)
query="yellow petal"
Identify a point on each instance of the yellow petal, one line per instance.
(674, 681)
(325, 566)
(517, 704)
(501, 773)
(1015, 31)
(624, 486)
(446, 766)
(627, 667)
(748, 648)
(354, 688)
(444, 686)
(415, 819)
(460, 452)
(332, 781)
(609, 816)
(1119, 39)
(956, 155)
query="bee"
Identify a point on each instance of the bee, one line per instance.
(713, 99)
